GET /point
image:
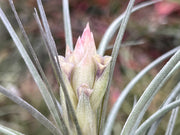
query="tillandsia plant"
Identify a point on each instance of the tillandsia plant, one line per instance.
(84, 77)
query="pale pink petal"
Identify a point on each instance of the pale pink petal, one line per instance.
(79, 48)
(92, 44)
(78, 52)
(85, 47)
(88, 40)
(86, 34)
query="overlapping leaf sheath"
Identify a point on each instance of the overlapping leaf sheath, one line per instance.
(86, 75)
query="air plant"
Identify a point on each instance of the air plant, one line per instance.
(84, 77)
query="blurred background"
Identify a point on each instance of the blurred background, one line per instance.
(154, 29)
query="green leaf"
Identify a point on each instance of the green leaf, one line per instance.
(51, 48)
(33, 111)
(113, 61)
(171, 97)
(115, 25)
(149, 93)
(67, 24)
(172, 121)
(34, 56)
(141, 114)
(128, 43)
(156, 116)
(115, 109)
(8, 131)
(42, 87)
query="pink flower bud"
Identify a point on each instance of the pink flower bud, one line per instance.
(86, 76)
